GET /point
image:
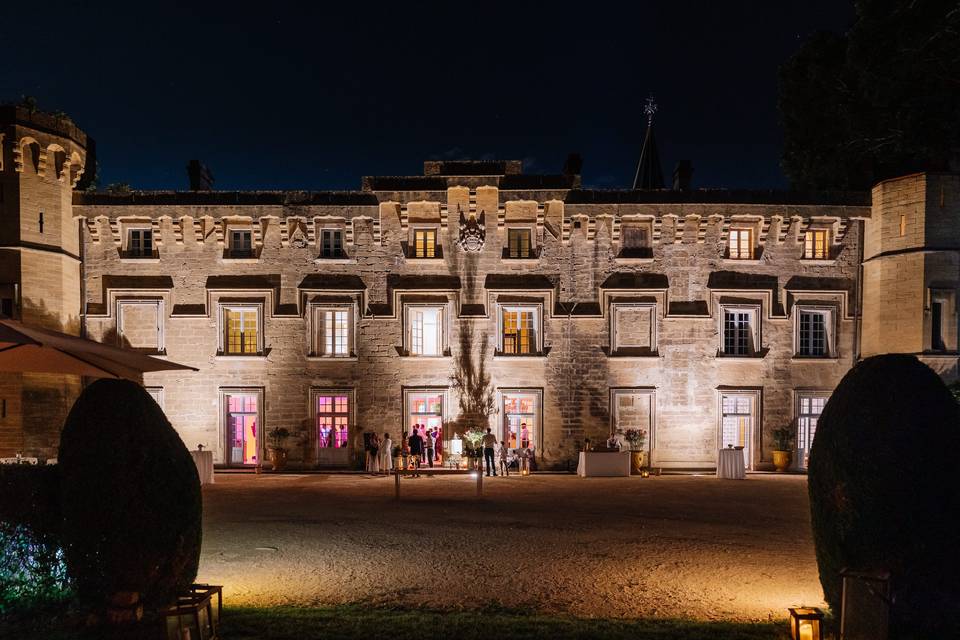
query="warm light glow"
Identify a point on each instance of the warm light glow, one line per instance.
(806, 630)
(456, 446)
(805, 623)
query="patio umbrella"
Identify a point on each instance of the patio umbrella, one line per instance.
(30, 349)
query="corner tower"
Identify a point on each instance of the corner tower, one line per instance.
(911, 270)
(42, 157)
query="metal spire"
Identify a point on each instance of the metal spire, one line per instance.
(649, 175)
(650, 109)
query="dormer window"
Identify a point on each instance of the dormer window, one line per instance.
(139, 243)
(425, 243)
(816, 244)
(331, 243)
(740, 243)
(635, 240)
(241, 243)
(520, 330)
(519, 244)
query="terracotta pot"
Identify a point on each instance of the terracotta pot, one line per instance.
(782, 460)
(638, 460)
(278, 458)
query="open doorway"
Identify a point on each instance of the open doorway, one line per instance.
(242, 426)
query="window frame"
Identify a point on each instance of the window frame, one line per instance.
(128, 251)
(337, 250)
(755, 334)
(946, 299)
(802, 432)
(537, 327)
(318, 392)
(224, 393)
(408, 329)
(158, 302)
(752, 441)
(437, 253)
(517, 231)
(739, 229)
(830, 329)
(807, 245)
(536, 440)
(615, 344)
(245, 253)
(223, 328)
(318, 337)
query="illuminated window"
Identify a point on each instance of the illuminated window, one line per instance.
(809, 410)
(740, 336)
(241, 243)
(425, 413)
(425, 330)
(333, 331)
(814, 333)
(518, 243)
(241, 327)
(242, 426)
(333, 419)
(424, 243)
(139, 243)
(521, 418)
(737, 421)
(331, 245)
(519, 330)
(816, 245)
(740, 244)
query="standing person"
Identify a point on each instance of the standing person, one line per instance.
(404, 450)
(386, 454)
(524, 436)
(373, 456)
(416, 450)
(431, 444)
(504, 464)
(489, 442)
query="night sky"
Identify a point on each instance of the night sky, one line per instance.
(274, 97)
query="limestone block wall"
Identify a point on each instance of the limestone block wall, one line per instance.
(575, 274)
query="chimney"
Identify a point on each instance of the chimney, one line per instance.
(682, 176)
(200, 177)
(573, 164)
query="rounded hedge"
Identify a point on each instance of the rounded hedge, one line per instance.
(131, 498)
(884, 492)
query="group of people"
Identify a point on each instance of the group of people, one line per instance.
(423, 447)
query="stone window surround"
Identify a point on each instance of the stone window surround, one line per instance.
(752, 223)
(121, 302)
(126, 226)
(313, 329)
(444, 391)
(335, 224)
(316, 391)
(798, 396)
(829, 224)
(222, 307)
(537, 440)
(537, 308)
(650, 391)
(535, 245)
(756, 429)
(223, 436)
(755, 311)
(229, 226)
(948, 298)
(831, 324)
(411, 241)
(645, 253)
(444, 307)
(654, 325)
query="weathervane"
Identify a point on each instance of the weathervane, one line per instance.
(650, 109)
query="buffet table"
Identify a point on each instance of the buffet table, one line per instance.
(204, 462)
(730, 464)
(603, 463)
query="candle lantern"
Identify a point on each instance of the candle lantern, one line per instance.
(195, 615)
(644, 473)
(806, 623)
(865, 605)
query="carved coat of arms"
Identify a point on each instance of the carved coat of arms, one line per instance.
(472, 231)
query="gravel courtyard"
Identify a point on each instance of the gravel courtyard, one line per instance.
(670, 546)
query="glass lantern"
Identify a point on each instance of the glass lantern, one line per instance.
(806, 623)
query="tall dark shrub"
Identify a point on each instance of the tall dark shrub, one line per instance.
(131, 497)
(884, 493)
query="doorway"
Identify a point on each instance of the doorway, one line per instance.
(425, 411)
(738, 421)
(242, 426)
(520, 423)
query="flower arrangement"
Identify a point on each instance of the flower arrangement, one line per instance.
(277, 436)
(473, 437)
(636, 438)
(783, 439)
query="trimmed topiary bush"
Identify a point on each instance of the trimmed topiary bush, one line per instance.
(131, 499)
(884, 492)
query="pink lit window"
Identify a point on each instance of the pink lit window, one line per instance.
(333, 420)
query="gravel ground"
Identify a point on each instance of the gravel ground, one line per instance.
(670, 546)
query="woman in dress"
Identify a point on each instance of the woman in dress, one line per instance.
(374, 457)
(386, 454)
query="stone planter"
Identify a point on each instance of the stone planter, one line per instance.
(782, 460)
(278, 458)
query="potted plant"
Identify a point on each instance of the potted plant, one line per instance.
(276, 451)
(782, 448)
(637, 439)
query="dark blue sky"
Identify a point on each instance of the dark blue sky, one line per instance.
(277, 97)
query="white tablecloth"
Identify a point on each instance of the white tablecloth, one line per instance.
(730, 464)
(596, 463)
(204, 462)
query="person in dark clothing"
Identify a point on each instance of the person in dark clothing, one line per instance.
(431, 439)
(489, 442)
(416, 449)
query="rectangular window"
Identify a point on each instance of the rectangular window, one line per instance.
(813, 334)
(521, 419)
(425, 413)
(737, 422)
(242, 426)
(518, 241)
(333, 419)
(519, 326)
(738, 332)
(241, 331)
(633, 327)
(809, 410)
(140, 325)
(936, 326)
(635, 236)
(425, 243)
(333, 330)
(740, 244)
(331, 243)
(241, 243)
(815, 244)
(140, 243)
(425, 331)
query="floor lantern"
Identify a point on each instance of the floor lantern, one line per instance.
(806, 623)
(865, 605)
(196, 615)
